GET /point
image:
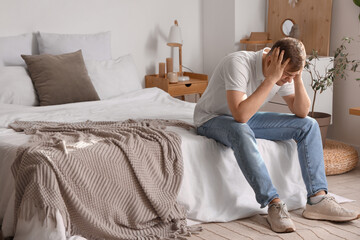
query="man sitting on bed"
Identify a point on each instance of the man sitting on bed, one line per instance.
(228, 112)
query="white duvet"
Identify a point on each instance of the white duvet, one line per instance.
(213, 187)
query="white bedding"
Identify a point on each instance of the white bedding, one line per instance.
(213, 187)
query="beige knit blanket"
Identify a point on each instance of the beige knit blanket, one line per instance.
(109, 180)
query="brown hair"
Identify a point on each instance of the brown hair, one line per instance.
(294, 49)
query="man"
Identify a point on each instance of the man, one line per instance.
(228, 112)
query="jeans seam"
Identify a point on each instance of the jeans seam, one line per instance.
(307, 167)
(278, 127)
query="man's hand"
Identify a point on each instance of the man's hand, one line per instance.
(273, 67)
(299, 103)
(298, 77)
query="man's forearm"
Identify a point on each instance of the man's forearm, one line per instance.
(247, 108)
(301, 102)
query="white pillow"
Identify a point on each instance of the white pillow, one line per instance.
(113, 77)
(12, 47)
(17, 87)
(93, 46)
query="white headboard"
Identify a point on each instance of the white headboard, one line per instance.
(139, 27)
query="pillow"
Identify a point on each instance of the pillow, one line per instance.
(16, 87)
(114, 77)
(93, 46)
(12, 47)
(60, 79)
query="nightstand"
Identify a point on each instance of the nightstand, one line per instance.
(196, 84)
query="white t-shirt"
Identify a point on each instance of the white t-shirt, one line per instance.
(240, 71)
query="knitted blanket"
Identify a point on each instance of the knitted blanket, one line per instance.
(109, 180)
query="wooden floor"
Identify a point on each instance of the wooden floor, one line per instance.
(256, 227)
(346, 185)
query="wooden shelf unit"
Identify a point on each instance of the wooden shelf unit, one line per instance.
(355, 111)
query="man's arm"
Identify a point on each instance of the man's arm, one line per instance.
(243, 107)
(298, 103)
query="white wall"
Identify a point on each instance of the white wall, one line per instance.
(226, 23)
(140, 27)
(219, 31)
(346, 128)
(250, 16)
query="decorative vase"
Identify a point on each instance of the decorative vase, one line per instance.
(323, 120)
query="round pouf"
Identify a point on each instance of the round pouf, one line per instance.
(339, 157)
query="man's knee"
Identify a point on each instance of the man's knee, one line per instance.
(240, 131)
(309, 123)
(308, 126)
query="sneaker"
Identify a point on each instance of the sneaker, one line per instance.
(329, 209)
(279, 218)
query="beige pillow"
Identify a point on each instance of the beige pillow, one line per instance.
(60, 79)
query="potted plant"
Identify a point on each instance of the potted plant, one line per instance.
(337, 69)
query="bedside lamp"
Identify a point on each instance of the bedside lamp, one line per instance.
(175, 40)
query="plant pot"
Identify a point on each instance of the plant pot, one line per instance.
(323, 120)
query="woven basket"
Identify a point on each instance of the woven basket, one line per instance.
(339, 157)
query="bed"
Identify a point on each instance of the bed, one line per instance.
(213, 187)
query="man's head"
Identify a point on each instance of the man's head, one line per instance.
(293, 49)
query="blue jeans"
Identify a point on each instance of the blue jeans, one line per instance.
(271, 126)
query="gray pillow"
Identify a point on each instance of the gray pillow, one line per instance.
(60, 79)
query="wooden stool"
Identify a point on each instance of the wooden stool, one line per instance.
(339, 157)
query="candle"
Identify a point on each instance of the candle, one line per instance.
(162, 69)
(169, 65)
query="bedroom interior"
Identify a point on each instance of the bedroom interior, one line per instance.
(122, 43)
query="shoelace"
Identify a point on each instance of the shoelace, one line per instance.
(332, 200)
(338, 206)
(329, 198)
(282, 210)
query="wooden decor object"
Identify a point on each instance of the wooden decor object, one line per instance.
(355, 111)
(162, 70)
(169, 65)
(312, 17)
(259, 36)
(257, 40)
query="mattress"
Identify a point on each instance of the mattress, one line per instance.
(213, 187)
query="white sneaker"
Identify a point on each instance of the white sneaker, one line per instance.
(279, 218)
(329, 209)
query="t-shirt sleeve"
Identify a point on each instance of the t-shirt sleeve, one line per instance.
(287, 89)
(235, 75)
